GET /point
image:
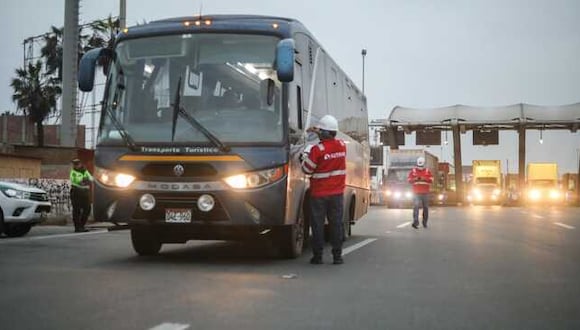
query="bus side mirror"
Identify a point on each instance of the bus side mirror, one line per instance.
(285, 60)
(87, 67)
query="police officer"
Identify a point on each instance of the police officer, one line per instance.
(421, 178)
(80, 181)
(326, 163)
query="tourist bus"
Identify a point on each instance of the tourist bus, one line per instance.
(202, 125)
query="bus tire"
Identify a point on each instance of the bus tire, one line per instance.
(347, 226)
(144, 242)
(293, 237)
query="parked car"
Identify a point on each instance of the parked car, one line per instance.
(21, 207)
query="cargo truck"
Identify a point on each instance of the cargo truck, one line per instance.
(399, 192)
(512, 191)
(486, 184)
(378, 172)
(542, 184)
(446, 191)
(570, 187)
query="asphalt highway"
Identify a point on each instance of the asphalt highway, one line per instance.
(472, 268)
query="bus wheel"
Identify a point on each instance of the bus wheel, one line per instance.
(144, 242)
(292, 240)
(347, 226)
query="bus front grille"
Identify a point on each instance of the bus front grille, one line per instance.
(199, 170)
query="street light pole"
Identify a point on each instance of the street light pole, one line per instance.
(122, 14)
(363, 53)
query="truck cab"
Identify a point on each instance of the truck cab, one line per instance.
(486, 185)
(542, 184)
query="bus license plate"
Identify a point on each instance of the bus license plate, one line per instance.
(178, 215)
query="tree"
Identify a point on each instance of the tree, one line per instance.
(103, 34)
(52, 51)
(35, 93)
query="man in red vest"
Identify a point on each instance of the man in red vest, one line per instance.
(421, 178)
(326, 163)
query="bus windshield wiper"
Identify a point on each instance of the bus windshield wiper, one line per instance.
(129, 142)
(178, 110)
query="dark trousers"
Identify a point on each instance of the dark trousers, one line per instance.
(81, 205)
(420, 200)
(322, 208)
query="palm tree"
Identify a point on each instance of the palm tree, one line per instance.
(104, 35)
(35, 94)
(52, 51)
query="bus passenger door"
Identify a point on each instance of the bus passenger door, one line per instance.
(296, 122)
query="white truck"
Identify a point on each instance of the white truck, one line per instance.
(399, 193)
(21, 207)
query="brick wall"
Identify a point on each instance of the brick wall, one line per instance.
(19, 130)
(16, 166)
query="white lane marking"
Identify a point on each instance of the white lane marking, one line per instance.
(36, 238)
(537, 216)
(564, 225)
(404, 224)
(358, 246)
(171, 326)
(388, 232)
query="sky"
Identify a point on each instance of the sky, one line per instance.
(420, 53)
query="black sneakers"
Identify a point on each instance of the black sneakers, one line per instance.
(316, 260)
(338, 260)
(415, 226)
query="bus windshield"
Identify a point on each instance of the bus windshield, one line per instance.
(226, 82)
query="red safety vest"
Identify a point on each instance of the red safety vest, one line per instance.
(421, 179)
(326, 162)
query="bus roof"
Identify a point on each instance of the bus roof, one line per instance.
(280, 26)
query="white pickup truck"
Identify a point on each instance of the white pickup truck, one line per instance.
(21, 207)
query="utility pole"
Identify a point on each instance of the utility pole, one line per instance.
(69, 74)
(122, 14)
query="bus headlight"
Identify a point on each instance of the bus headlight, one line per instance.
(496, 191)
(256, 179)
(113, 179)
(408, 195)
(554, 194)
